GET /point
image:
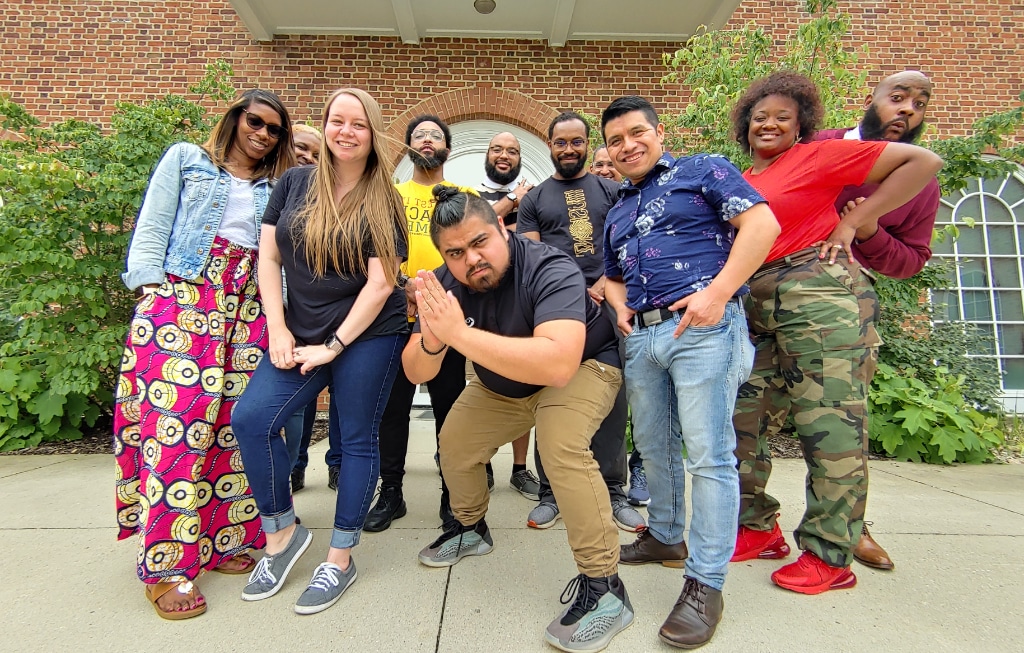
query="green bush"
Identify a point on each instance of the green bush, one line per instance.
(930, 421)
(71, 193)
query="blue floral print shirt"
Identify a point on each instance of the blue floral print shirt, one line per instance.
(670, 236)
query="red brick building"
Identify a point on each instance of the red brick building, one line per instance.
(518, 66)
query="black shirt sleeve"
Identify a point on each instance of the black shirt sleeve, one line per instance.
(527, 218)
(277, 199)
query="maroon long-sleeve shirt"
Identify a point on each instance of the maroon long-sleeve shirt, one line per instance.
(901, 246)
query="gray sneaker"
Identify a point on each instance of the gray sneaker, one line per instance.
(456, 543)
(526, 484)
(600, 611)
(626, 517)
(270, 572)
(329, 582)
(544, 515)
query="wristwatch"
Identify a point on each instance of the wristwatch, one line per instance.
(335, 345)
(512, 196)
(402, 280)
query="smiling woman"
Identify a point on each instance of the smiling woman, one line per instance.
(197, 334)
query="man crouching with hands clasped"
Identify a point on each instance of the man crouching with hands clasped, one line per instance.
(544, 356)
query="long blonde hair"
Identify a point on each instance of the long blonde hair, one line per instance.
(335, 231)
(222, 138)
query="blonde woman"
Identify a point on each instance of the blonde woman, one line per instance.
(338, 230)
(196, 335)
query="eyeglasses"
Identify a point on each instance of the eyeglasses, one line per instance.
(434, 134)
(256, 123)
(496, 150)
(576, 143)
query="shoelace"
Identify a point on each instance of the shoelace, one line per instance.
(586, 598)
(691, 594)
(325, 577)
(450, 530)
(262, 572)
(639, 480)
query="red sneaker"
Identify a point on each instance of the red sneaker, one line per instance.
(767, 545)
(810, 575)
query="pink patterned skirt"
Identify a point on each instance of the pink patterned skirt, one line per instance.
(181, 487)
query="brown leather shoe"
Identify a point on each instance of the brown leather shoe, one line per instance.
(694, 618)
(647, 549)
(868, 553)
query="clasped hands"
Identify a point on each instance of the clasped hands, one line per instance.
(441, 316)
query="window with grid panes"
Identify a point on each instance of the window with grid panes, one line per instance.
(986, 289)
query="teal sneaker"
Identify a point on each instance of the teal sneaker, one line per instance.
(600, 611)
(456, 543)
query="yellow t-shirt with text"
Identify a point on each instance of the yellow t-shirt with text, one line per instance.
(419, 206)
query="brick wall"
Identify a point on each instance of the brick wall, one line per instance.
(75, 58)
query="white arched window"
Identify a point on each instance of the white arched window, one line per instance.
(987, 288)
(465, 165)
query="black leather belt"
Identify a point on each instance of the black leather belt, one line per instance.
(659, 315)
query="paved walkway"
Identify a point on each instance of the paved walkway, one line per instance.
(955, 533)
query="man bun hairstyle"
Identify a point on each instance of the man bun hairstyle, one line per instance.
(453, 206)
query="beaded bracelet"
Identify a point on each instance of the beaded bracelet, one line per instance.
(432, 353)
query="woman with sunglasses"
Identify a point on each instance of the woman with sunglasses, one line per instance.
(338, 231)
(196, 336)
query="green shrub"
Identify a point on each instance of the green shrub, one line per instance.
(71, 193)
(929, 422)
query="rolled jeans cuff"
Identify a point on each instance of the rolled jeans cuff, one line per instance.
(344, 539)
(278, 522)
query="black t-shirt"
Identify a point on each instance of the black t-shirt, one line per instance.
(493, 196)
(542, 284)
(569, 215)
(317, 306)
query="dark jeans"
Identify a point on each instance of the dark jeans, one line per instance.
(444, 389)
(362, 377)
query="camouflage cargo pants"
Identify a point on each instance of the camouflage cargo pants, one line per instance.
(813, 326)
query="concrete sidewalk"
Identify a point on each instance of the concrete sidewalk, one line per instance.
(956, 535)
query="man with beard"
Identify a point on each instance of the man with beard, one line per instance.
(501, 169)
(545, 356)
(428, 141)
(567, 211)
(898, 244)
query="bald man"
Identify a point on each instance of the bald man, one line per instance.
(501, 168)
(898, 244)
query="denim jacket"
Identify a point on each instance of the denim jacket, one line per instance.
(180, 216)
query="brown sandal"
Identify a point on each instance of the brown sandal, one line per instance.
(154, 592)
(247, 567)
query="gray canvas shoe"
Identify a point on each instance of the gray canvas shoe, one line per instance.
(271, 571)
(626, 517)
(329, 582)
(544, 515)
(456, 543)
(600, 611)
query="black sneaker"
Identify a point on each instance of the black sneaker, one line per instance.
(600, 611)
(332, 476)
(298, 479)
(526, 484)
(390, 506)
(456, 543)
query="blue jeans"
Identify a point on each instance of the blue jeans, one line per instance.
(695, 378)
(362, 377)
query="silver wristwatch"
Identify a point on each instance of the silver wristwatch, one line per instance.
(335, 345)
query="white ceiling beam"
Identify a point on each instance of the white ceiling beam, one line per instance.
(406, 21)
(251, 19)
(560, 25)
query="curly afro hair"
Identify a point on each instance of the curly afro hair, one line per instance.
(786, 83)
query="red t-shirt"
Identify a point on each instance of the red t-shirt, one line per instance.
(802, 185)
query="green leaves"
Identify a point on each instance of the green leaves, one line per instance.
(921, 422)
(71, 192)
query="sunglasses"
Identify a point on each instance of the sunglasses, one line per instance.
(256, 123)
